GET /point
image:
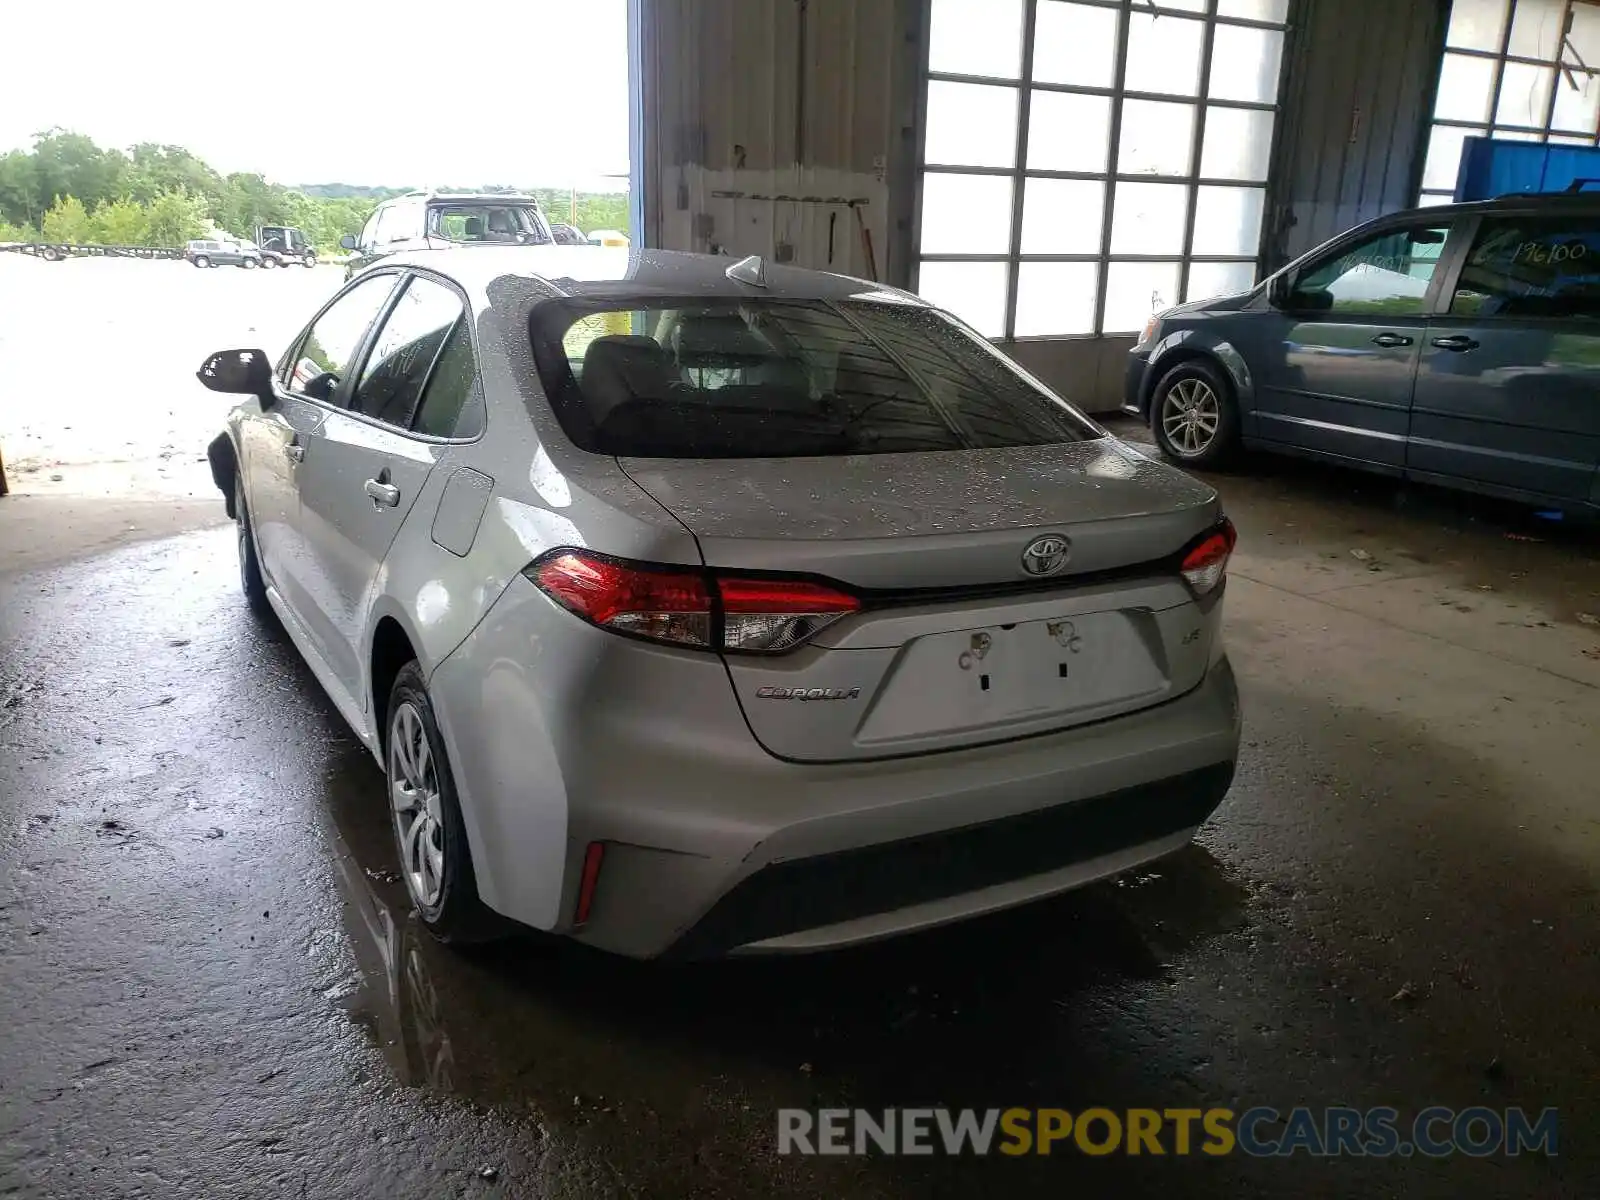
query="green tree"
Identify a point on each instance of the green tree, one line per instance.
(16, 233)
(121, 223)
(154, 169)
(175, 217)
(67, 221)
(70, 164)
(19, 189)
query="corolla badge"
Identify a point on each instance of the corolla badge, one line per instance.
(1047, 555)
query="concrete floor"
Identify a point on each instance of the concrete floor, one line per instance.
(211, 984)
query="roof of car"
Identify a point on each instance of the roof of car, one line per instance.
(603, 272)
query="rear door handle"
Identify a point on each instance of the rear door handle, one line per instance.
(1460, 343)
(383, 494)
(1391, 339)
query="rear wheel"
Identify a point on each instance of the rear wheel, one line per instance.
(1193, 415)
(430, 836)
(248, 264)
(309, 260)
(268, 263)
(200, 260)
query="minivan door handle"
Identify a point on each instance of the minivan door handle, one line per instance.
(383, 493)
(1391, 339)
(1458, 342)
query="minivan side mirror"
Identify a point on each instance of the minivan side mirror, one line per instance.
(348, 241)
(238, 373)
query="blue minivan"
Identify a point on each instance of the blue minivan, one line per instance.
(1457, 345)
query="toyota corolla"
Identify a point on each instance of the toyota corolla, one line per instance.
(693, 608)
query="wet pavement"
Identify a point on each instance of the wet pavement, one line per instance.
(212, 985)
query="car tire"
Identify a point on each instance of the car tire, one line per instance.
(268, 263)
(200, 260)
(309, 261)
(430, 835)
(249, 264)
(1194, 415)
(251, 581)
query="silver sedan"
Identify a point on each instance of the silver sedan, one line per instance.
(700, 609)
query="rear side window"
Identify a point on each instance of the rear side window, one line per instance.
(762, 379)
(452, 405)
(1532, 266)
(404, 352)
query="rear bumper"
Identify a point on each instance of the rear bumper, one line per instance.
(1133, 384)
(714, 846)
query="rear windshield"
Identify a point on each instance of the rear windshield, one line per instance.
(765, 379)
(512, 224)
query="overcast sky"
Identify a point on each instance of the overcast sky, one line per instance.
(528, 92)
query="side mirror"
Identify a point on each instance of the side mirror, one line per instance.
(238, 373)
(348, 241)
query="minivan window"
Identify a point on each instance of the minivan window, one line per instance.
(1532, 266)
(770, 378)
(1389, 273)
(404, 352)
(513, 224)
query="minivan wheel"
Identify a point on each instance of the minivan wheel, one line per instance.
(430, 836)
(200, 260)
(250, 579)
(1194, 416)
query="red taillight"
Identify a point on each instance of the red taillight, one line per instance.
(592, 859)
(668, 606)
(1206, 562)
(777, 614)
(705, 610)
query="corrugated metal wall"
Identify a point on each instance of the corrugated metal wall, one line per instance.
(776, 126)
(1360, 82)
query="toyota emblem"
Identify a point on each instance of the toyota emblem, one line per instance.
(1046, 555)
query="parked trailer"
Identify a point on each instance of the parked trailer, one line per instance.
(56, 251)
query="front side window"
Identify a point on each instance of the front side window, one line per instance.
(326, 353)
(1532, 267)
(510, 224)
(759, 379)
(1388, 274)
(404, 352)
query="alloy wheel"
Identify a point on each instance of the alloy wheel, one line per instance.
(1190, 417)
(418, 816)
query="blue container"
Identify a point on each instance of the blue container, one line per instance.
(1492, 168)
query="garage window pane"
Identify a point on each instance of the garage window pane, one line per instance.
(1443, 163)
(1244, 64)
(1466, 85)
(1074, 43)
(1434, 199)
(1156, 138)
(1055, 298)
(975, 292)
(1584, 36)
(1135, 291)
(1238, 144)
(971, 125)
(1524, 95)
(1228, 220)
(1164, 54)
(1577, 108)
(1536, 27)
(1516, 135)
(1062, 216)
(1571, 139)
(976, 37)
(1149, 218)
(1067, 132)
(1207, 280)
(1255, 10)
(966, 214)
(1477, 24)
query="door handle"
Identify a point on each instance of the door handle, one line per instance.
(1460, 343)
(295, 451)
(384, 495)
(1391, 339)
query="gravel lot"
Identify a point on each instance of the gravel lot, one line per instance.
(130, 420)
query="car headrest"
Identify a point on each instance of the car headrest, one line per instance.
(622, 367)
(710, 338)
(474, 227)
